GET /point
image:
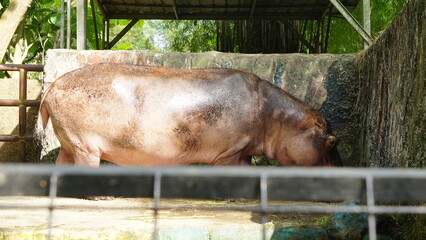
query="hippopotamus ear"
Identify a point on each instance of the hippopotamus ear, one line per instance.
(331, 141)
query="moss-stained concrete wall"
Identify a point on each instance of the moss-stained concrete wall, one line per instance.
(392, 102)
(326, 82)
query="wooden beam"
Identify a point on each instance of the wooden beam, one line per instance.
(81, 24)
(92, 6)
(175, 9)
(253, 7)
(216, 16)
(122, 33)
(235, 6)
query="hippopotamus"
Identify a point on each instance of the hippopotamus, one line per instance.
(145, 115)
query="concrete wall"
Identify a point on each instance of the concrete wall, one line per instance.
(326, 82)
(392, 105)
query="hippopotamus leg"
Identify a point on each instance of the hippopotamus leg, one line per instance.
(86, 159)
(236, 159)
(64, 157)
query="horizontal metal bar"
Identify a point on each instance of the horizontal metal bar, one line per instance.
(17, 67)
(15, 103)
(247, 7)
(15, 138)
(215, 16)
(271, 209)
(207, 171)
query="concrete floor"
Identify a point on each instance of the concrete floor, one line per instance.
(130, 218)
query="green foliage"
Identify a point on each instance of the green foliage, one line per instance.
(344, 39)
(140, 37)
(411, 227)
(41, 29)
(187, 35)
(42, 23)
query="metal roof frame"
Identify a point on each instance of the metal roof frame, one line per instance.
(281, 10)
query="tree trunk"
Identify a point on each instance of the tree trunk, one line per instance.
(9, 22)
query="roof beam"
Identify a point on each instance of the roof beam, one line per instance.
(102, 8)
(248, 7)
(121, 34)
(215, 16)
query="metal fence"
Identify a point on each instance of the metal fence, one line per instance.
(372, 186)
(22, 138)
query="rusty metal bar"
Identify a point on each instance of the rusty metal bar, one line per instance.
(22, 103)
(17, 103)
(22, 129)
(17, 67)
(15, 138)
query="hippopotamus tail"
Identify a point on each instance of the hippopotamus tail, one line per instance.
(42, 119)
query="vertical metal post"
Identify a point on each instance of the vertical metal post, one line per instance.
(81, 24)
(157, 195)
(53, 190)
(68, 24)
(22, 114)
(264, 202)
(372, 233)
(61, 41)
(366, 19)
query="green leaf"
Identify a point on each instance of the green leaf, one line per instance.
(55, 19)
(140, 23)
(123, 22)
(124, 46)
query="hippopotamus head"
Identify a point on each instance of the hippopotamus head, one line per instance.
(310, 143)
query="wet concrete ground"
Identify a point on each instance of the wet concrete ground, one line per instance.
(131, 218)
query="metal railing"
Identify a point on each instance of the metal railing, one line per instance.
(22, 138)
(372, 186)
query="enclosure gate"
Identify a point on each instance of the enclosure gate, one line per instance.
(22, 138)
